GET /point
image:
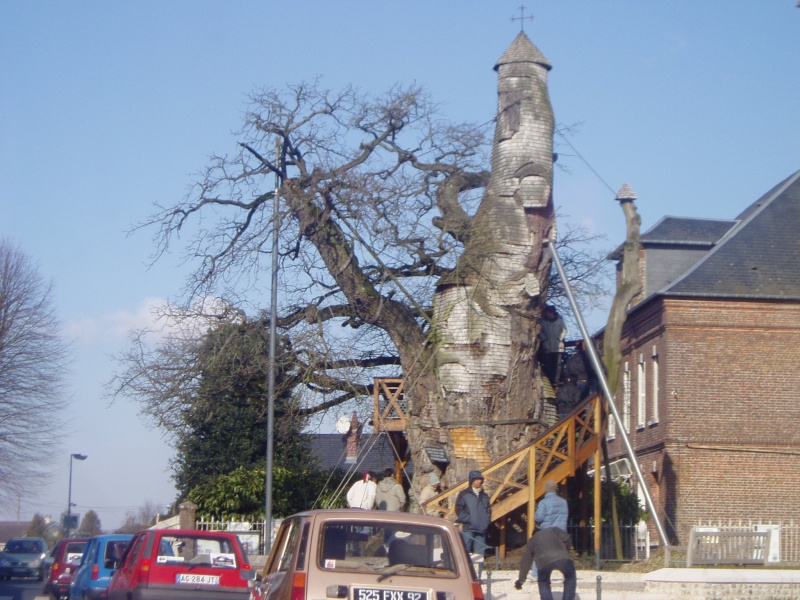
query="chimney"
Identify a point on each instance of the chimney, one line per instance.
(352, 440)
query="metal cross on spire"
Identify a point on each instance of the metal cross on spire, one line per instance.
(522, 18)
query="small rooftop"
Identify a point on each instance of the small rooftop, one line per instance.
(522, 50)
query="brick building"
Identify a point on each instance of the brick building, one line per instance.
(710, 389)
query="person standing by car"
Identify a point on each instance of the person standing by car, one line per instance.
(390, 494)
(474, 513)
(362, 493)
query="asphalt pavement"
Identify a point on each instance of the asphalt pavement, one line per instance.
(21, 589)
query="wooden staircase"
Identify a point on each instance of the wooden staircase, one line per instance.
(516, 481)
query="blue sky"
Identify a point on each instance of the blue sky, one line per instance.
(109, 107)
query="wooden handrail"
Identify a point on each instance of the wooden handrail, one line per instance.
(556, 455)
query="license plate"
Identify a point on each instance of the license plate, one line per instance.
(200, 579)
(385, 594)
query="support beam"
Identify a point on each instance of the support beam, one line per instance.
(601, 376)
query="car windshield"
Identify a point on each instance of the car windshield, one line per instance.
(24, 547)
(196, 550)
(386, 548)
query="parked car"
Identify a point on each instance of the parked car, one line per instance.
(66, 556)
(23, 557)
(182, 563)
(90, 581)
(365, 554)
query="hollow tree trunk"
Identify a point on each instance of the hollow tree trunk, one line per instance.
(482, 393)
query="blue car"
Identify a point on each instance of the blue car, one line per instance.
(90, 581)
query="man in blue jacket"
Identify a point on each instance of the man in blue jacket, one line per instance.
(551, 511)
(474, 514)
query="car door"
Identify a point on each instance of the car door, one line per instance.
(126, 576)
(286, 559)
(84, 571)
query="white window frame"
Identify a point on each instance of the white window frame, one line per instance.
(641, 393)
(655, 391)
(626, 398)
(612, 427)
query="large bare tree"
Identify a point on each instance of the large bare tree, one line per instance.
(400, 252)
(33, 360)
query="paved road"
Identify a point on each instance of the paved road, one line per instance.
(20, 589)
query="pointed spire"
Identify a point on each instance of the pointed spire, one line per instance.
(626, 194)
(522, 50)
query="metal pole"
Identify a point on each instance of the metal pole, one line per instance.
(273, 316)
(68, 516)
(598, 369)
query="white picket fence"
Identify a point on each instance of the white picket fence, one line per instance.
(251, 533)
(784, 541)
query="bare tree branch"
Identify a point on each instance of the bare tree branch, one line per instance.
(33, 362)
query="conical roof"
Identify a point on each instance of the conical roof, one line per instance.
(522, 50)
(626, 193)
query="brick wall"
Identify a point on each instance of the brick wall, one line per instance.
(726, 443)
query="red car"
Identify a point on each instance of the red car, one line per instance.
(182, 563)
(66, 555)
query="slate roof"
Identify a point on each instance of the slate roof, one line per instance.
(758, 258)
(681, 231)
(375, 452)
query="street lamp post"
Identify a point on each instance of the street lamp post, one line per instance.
(68, 516)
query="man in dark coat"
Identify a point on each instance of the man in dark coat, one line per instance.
(578, 367)
(474, 514)
(550, 549)
(567, 398)
(551, 335)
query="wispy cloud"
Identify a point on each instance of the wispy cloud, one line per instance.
(153, 315)
(117, 325)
